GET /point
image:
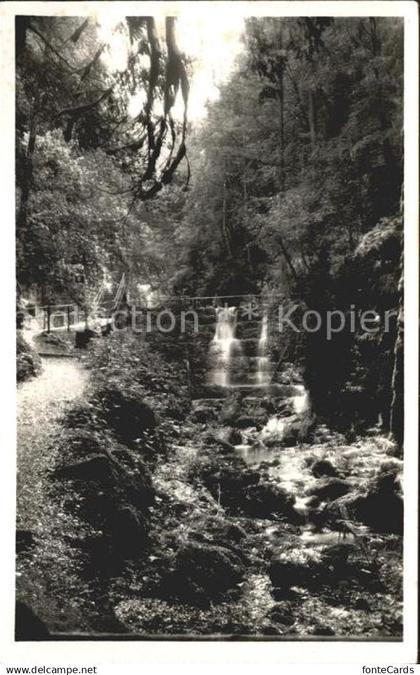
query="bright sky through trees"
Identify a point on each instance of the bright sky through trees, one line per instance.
(211, 44)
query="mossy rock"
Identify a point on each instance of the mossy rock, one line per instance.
(295, 566)
(127, 414)
(202, 573)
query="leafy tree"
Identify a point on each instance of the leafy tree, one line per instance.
(83, 161)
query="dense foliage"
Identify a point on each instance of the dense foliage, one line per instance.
(28, 363)
(296, 190)
(96, 138)
(301, 154)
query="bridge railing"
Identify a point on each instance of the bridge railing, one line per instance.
(66, 315)
(197, 301)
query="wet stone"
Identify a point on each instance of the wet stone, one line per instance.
(330, 488)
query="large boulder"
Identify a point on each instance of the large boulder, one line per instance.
(202, 573)
(96, 468)
(54, 340)
(232, 409)
(295, 567)
(113, 495)
(321, 629)
(287, 431)
(225, 474)
(267, 500)
(289, 375)
(83, 439)
(127, 414)
(324, 468)
(381, 507)
(291, 434)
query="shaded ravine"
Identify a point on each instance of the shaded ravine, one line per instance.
(45, 561)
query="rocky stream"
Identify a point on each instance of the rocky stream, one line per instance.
(240, 515)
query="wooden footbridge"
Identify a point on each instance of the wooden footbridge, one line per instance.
(73, 316)
(70, 316)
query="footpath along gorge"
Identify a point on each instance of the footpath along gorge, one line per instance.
(211, 475)
(201, 496)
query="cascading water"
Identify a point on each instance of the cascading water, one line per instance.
(301, 401)
(224, 347)
(263, 363)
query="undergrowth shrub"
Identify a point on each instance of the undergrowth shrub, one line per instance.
(28, 362)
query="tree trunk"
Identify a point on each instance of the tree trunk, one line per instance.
(396, 422)
(281, 83)
(280, 97)
(288, 259)
(225, 234)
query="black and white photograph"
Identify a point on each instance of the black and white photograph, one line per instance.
(210, 216)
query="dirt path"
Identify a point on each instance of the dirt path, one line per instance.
(47, 576)
(40, 402)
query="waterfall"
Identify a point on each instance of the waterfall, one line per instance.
(263, 364)
(223, 347)
(301, 400)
